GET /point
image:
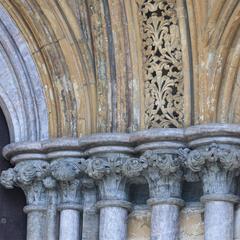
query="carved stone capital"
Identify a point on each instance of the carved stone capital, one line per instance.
(218, 166)
(99, 167)
(50, 183)
(164, 174)
(65, 170)
(8, 178)
(67, 173)
(112, 171)
(28, 175)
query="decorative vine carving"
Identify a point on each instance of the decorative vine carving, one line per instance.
(164, 173)
(218, 165)
(28, 175)
(163, 64)
(116, 164)
(112, 171)
(68, 173)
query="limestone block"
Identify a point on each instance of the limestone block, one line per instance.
(139, 225)
(191, 224)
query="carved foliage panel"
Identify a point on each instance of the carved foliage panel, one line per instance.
(163, 64)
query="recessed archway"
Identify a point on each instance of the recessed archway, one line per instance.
(23, 116)
(21, 92)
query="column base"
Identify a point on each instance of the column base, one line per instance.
(220, 198)
(70, 206)
(169, 201)
(114, 203)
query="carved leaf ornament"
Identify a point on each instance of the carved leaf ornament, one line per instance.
(227, 158)
(163, 64)
(117, 164)
(165, 163)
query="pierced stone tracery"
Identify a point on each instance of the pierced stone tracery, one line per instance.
(163, 64)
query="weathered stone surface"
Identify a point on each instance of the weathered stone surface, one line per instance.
(71, 68)
(191, 224)
(53, 172)
(139, 225)
(22, 97)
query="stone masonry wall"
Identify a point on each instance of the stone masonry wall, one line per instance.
(191, 224)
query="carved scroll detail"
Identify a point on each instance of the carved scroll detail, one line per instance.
(163, 64)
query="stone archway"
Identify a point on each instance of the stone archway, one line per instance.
(23, 116)
(21, 93)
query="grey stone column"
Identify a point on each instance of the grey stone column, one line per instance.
(29, 176)
(90, 227)
(237, 213)
(113, 219)
(52, 212)
(237, 223)
(68, 174)
(164, 176)
(217, 165)
(111, 173)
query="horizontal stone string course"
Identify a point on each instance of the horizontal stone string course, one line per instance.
(64, 177)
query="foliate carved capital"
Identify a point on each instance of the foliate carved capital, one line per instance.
(67, 169)
(8, 178)
(49, 183)
(112, 171)
(164, 174)
(29, 176)
(166, 163)
(224, 157)
(68, 172)
(116, 164)
(218, 166)
(28, 172)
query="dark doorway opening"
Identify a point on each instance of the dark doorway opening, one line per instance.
(12, 218)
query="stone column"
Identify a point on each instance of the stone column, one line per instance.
(164, 176)
(111, 173)
(237, 223)
(29, 176)
(90, 214)
(217, 165)
(52, 212)
(237, 213)
(68, 174)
